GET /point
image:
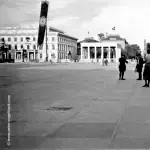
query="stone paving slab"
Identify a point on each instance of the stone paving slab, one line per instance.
(75, 143)
(84, 130)
(100, 112)
(137, 114)
(130, 143)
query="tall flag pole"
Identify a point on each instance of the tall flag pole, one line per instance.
(42, 24)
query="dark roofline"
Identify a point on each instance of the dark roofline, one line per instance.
(56, 30)
(114, 36)
(89, 40)
(65, 35)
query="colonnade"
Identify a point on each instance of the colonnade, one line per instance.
(31, 55)
(100, 52)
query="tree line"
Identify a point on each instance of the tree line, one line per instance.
(131, 51)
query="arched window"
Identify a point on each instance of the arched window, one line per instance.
(9, 39)
(15, 39)
(21, 39)
(41, 55)
(53, 46)
(28, 46)
(34, 39)
(9, 47)
(21, 46)
(53, 39)
(15, 46)
(34, 46)
(3, 40)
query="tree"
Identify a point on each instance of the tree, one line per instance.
(132, 51)
(129, 52)
(148, 46)
(101, 36)
(136, 49)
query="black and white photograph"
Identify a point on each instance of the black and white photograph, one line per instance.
(74, 74)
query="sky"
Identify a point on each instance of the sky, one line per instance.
(78, 17)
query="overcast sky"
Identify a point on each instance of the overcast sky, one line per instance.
(77, 17)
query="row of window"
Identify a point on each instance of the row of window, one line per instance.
(9, 39)
(23, 47)
(64, 40)
(28, 47)
(16, 39)
(62, 56)
(60, 39)
(62, 47)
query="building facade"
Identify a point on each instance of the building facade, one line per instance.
(60, 45)
(24, 42)
(108, 48)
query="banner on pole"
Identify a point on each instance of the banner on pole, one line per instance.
(42, 23)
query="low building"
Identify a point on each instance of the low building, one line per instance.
(108, 48)
(24, 42)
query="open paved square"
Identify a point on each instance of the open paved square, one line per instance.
(73, 106)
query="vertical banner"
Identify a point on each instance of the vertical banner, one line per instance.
(42, 23)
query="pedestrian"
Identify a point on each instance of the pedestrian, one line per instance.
(106, 62)
(139, 66)
(103, 61)
(122, 67)
(146, 73)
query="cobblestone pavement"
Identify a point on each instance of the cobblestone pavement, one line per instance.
(73, 106)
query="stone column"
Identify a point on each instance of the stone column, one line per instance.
(34, 55)
(95, 53)
(102, 54)
(81, 52)
(108, 54)
(118, 54)
(21, 55)
(28, 56)
(114, 53)
(88, 52)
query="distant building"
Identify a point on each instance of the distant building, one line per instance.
(24, 42)
(109, 48)
(62, 45)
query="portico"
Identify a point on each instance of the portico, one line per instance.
(96, 52)
(108, 48)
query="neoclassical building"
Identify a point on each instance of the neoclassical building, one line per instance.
(60, 45)
(109, 48)
(20, 39)
(25, 39)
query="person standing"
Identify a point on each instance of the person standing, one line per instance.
(139, 66)
(122, 67)
(106, 62)
(146, 73)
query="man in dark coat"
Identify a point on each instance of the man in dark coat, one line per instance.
(122, 67)
(139, 66)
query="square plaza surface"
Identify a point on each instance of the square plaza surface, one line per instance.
(106, 112)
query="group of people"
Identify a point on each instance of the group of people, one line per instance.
(139, 68)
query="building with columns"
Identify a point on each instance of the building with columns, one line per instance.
(108, 48)
(22, 39)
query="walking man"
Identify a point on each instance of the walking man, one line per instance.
(122, 67)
